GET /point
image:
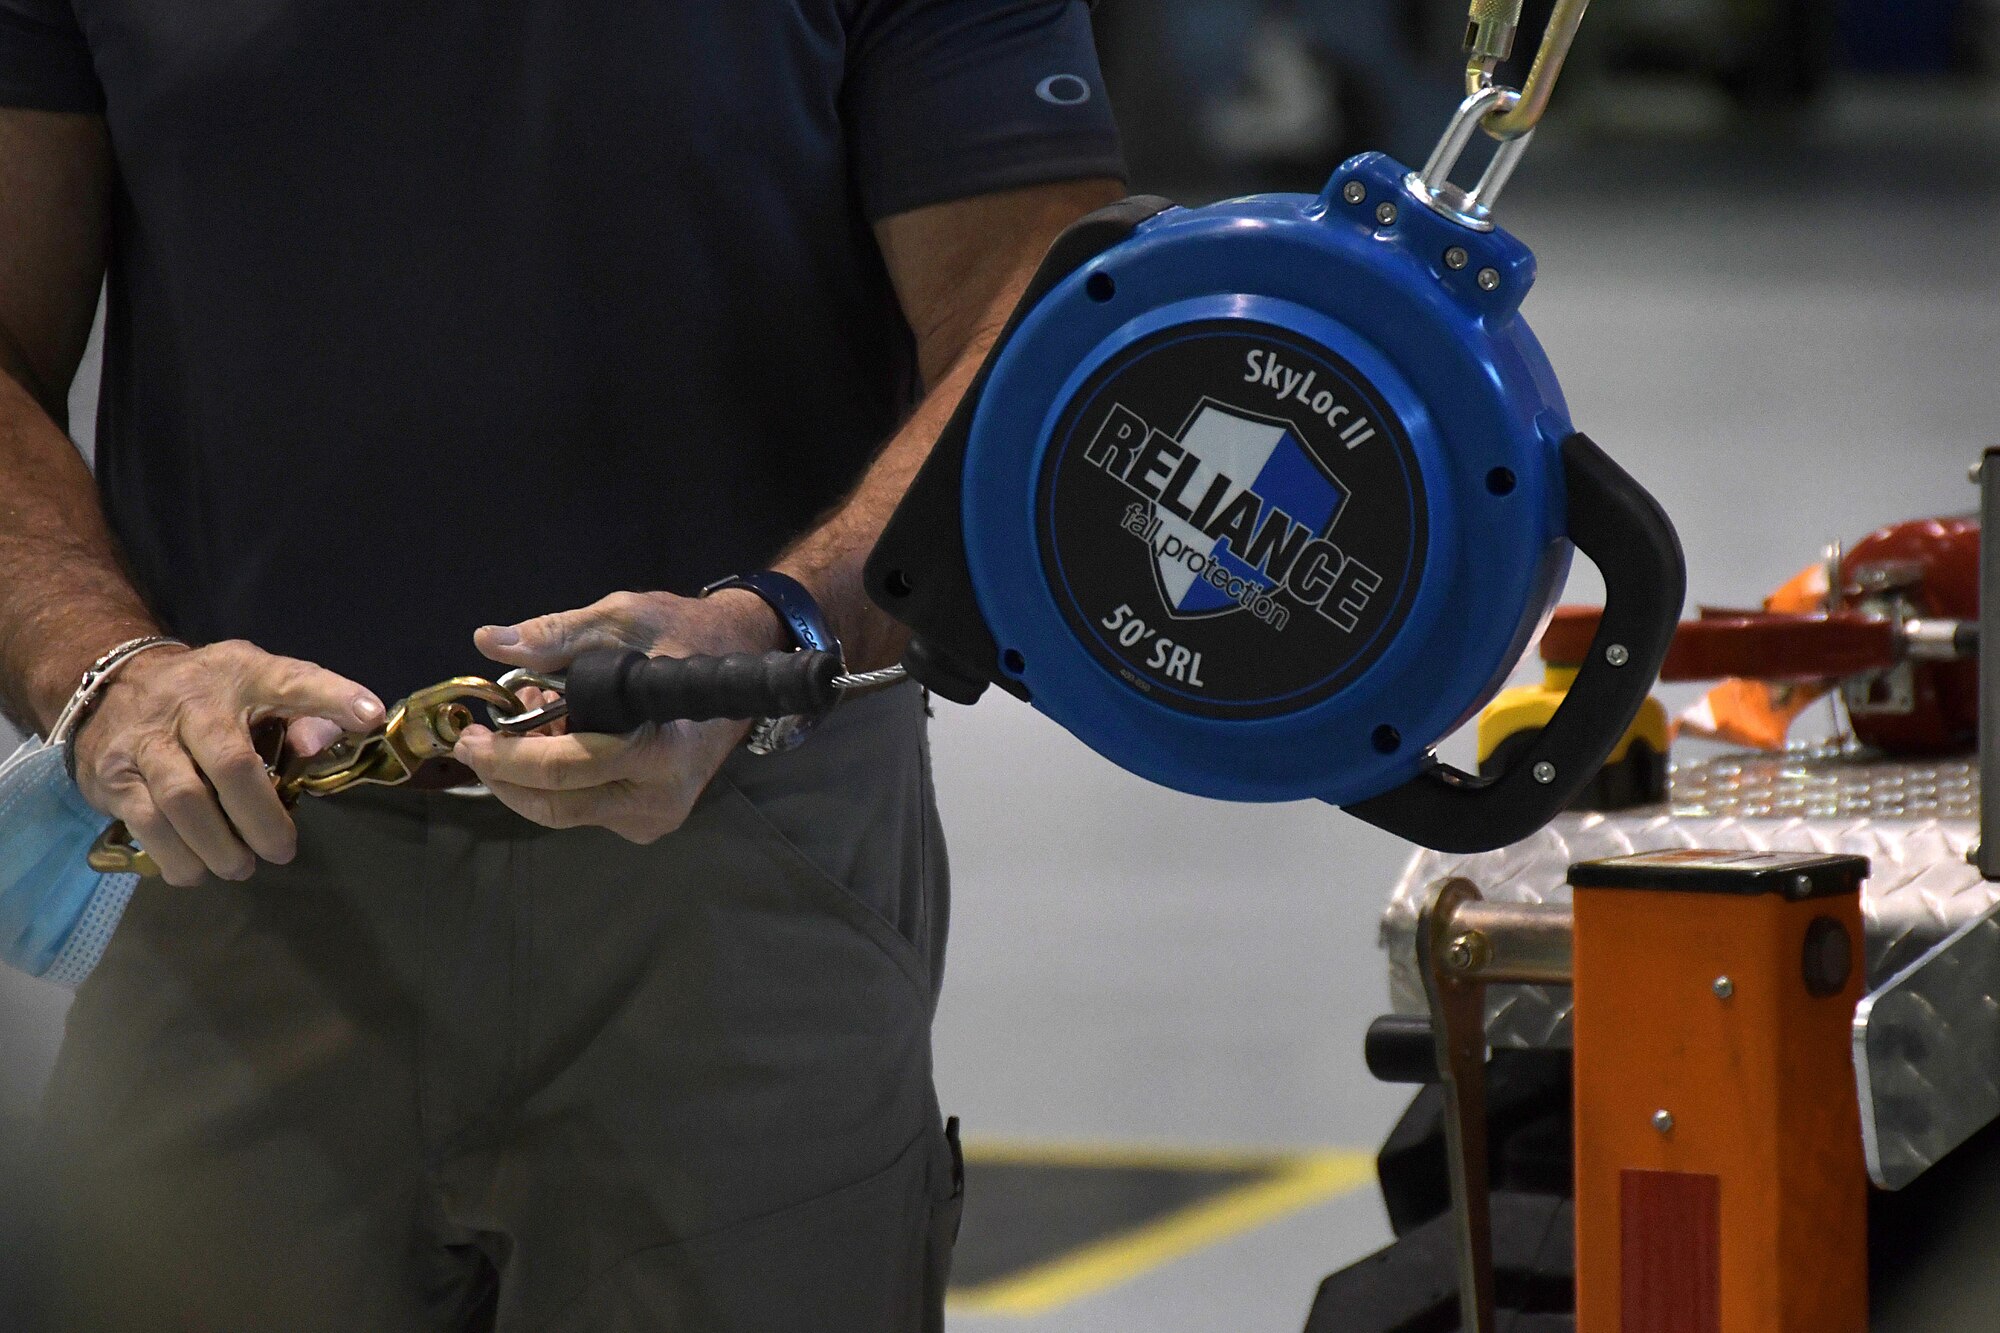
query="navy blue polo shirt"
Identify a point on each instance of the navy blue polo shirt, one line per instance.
(425, 315)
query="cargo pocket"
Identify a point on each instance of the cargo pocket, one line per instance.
(856, 804)
(947, 1211)
(841, 901)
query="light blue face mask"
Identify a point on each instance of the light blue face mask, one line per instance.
(56, 913)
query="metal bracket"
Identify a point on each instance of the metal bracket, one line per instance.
(1469, 208)
(1988, 854)
(1926, 1052)
(1464, 943)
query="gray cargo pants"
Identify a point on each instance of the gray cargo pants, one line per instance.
(452, 1071)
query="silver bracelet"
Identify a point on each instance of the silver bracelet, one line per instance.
(95, 678)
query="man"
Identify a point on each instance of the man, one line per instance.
(426, 316)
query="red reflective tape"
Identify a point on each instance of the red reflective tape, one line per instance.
(1670, 1272)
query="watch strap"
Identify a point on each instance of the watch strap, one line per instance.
(795, 606)
(807, 624)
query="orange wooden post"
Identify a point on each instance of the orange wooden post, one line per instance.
(1720, 1180)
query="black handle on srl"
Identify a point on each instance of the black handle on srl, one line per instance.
(1622, 529)
(616, 691)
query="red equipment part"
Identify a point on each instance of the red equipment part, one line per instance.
(1941, 558)
(1926, 569)
(1761, 645)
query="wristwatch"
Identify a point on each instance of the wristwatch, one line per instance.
(807, 625)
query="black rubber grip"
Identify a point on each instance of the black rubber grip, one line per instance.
(614, 692)
(1400, 1049)
(1626, 534)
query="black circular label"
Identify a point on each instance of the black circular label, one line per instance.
(1232, 519)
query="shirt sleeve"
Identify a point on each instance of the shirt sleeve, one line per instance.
(947, 99)
(44, 60)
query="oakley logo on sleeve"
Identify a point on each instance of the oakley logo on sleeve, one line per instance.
(1063, 90)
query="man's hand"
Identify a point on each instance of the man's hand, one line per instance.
(958, 269)
(640, 786)
(168, 751)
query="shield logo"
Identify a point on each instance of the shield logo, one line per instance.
(1261, 453)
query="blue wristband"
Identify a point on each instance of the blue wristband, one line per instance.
(785, 595)
(807, 624)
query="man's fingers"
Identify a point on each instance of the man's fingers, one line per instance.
(286, 686)
(553, 809)
(152, 831)
(177, 789)
(236, 771)
(533, 698)
(546, 643)
(545, 763)
(550, 643)
(619, 807)
(307, 736)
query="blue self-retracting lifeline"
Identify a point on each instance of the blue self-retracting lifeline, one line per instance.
(1261, 500)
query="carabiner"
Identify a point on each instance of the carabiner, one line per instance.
(421, 728)
(553, 709)
(1488, 42)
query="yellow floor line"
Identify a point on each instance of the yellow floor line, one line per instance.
(1160, 1156)
(1295, 1183)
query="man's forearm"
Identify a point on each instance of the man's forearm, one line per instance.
(829, 559)
(64, 594)
(959, 270)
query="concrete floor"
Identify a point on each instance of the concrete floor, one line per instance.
(1792, 336)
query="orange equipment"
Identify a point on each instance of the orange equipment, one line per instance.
(1720, 1180)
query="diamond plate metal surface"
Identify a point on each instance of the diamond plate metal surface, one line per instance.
(1927, 1054)
(1915, 822)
